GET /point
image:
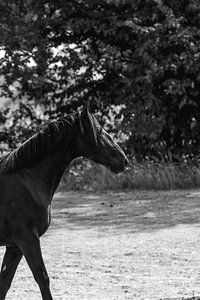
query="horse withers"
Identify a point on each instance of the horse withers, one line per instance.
(29, 176)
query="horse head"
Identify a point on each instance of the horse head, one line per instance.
(97, 145)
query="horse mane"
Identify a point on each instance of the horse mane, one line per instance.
(38, 145)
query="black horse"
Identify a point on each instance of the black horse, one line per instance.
(29, 177)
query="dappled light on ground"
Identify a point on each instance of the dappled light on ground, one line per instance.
(118, 246)
(132, 212)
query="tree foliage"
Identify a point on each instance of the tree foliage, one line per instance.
(143, 56)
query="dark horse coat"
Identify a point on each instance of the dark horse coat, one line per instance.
(29, 177)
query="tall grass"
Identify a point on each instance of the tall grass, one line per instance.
(86, 175)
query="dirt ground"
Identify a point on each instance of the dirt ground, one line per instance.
(119, 246)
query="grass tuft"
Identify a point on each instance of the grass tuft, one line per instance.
(85, 175)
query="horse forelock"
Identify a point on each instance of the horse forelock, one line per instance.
(37, 146)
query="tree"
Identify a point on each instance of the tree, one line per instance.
(142, 56)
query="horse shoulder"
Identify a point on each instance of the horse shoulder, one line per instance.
(22, 203)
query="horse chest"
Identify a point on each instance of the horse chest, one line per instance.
(44, 221)
(29, 215)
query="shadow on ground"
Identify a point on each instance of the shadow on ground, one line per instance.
(120, 246)
(193, 298)
(133, 211)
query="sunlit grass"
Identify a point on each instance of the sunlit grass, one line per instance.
(85, 175)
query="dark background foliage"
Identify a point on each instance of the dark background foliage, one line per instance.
(142, 56)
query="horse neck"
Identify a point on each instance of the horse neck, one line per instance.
(49, 171)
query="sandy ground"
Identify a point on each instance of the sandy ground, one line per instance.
(119, 246)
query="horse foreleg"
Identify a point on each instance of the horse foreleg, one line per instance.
(10, 262)
(30, 246)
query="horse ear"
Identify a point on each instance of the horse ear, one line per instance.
(88, 107)
(85, 117)
(86, 111)
(86, 123)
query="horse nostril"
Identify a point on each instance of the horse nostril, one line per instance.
(126, 162)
